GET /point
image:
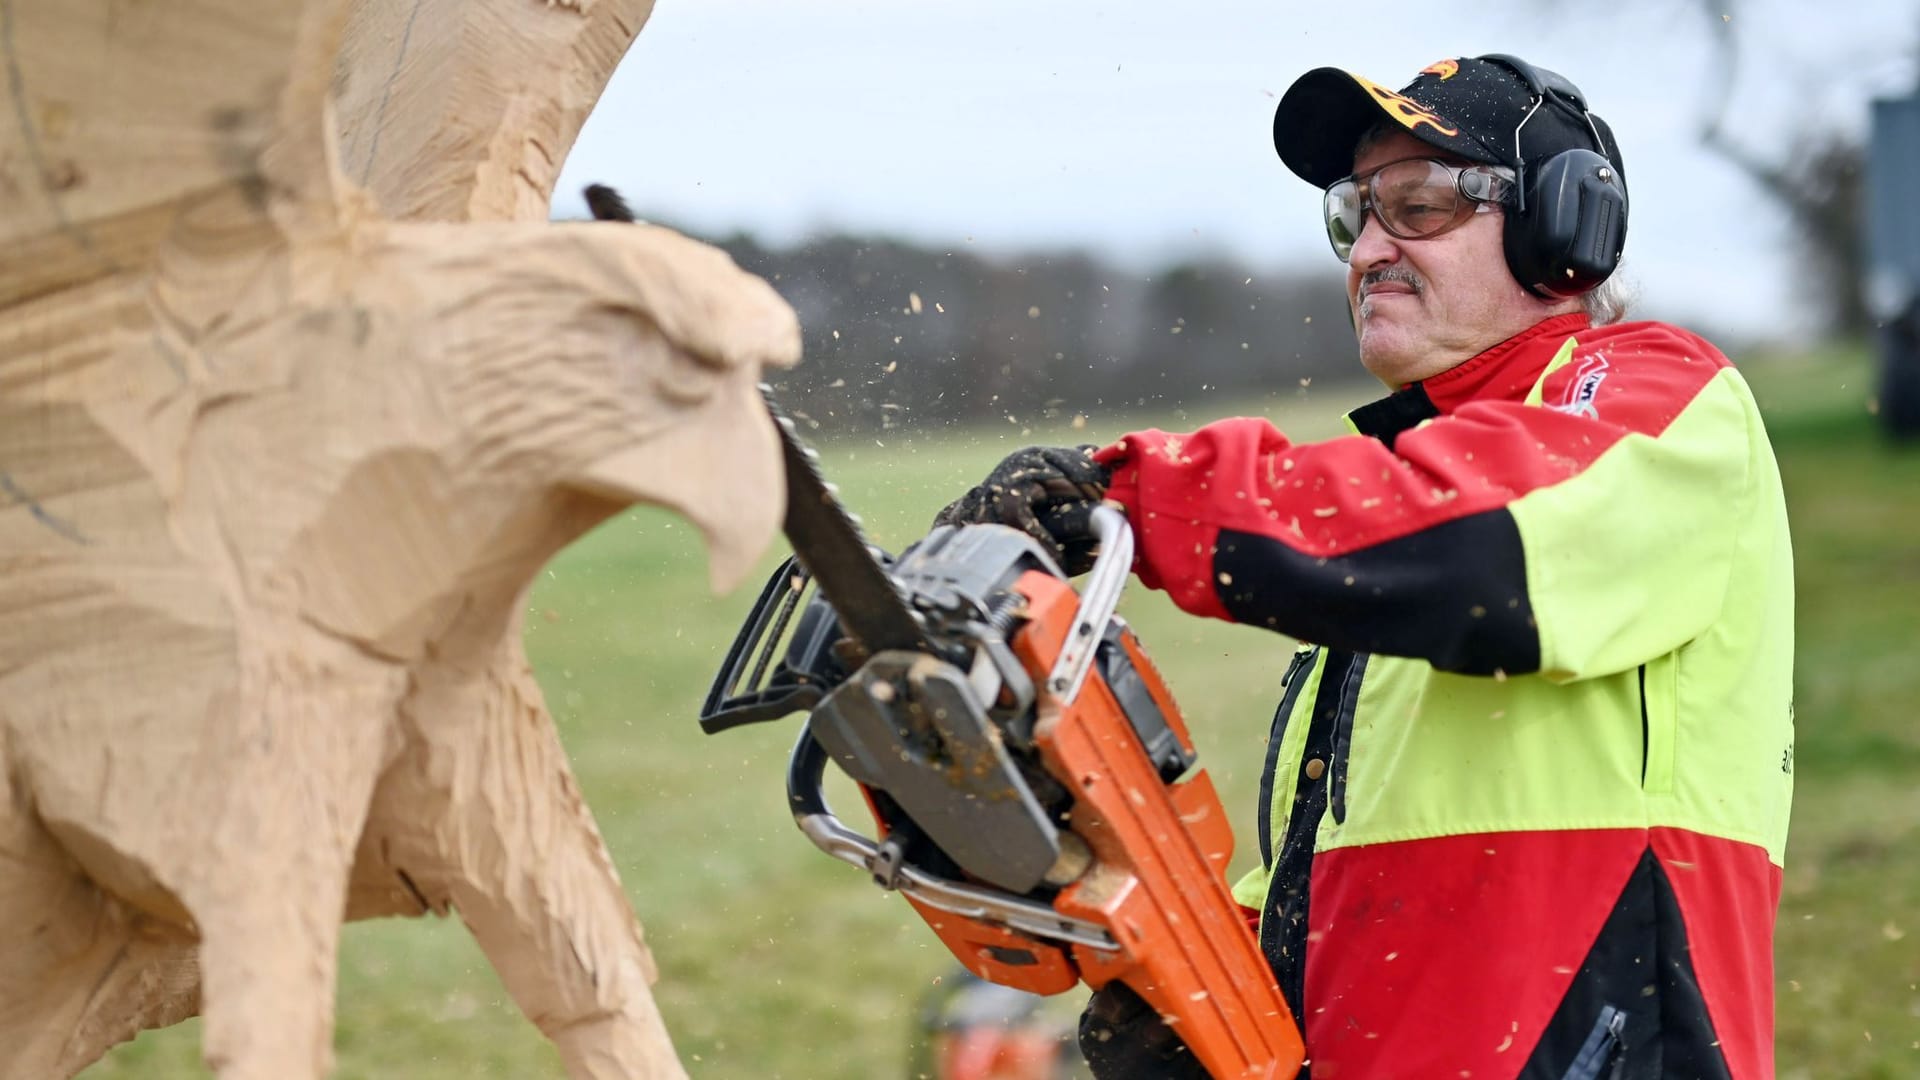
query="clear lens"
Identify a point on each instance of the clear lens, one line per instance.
(1412, 199)
(1415, 199)
(1345, 212)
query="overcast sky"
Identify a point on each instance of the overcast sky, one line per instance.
(1141, 130)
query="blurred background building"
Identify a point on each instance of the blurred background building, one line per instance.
(1892, 230)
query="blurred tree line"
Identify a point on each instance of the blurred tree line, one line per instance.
(898, 333)
(1816, 175)
(1806, 165)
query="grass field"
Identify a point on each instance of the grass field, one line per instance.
(778, 962)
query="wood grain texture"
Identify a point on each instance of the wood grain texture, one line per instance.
(281, 448)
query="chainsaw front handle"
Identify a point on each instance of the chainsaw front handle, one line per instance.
(885, 863)
(1104, 584)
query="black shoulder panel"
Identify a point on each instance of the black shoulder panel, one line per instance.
(1454, 594)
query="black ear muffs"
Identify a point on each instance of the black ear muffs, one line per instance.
(1567, 240)
(1567, 223)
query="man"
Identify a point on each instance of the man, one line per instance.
(1526, 793)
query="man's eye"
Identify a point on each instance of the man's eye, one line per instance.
(1423, 215)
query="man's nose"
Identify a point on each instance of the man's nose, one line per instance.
(1374, 247)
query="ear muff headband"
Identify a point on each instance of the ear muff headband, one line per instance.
(1569, 221)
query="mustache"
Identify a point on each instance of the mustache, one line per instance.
(1400, 274)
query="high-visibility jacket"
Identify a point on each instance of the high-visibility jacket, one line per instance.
(1526, 793)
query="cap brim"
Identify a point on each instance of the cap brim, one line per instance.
(1323, 114)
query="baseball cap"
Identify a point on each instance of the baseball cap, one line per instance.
(1468, 106)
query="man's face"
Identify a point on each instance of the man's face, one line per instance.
(1423, 306)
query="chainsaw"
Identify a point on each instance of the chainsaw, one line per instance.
(1030, 777)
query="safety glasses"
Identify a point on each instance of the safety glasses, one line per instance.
(1413, 199)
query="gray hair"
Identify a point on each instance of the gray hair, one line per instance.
(1609, 301)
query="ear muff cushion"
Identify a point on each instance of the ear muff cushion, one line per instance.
(1570, 238)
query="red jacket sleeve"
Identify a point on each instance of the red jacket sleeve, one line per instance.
(1412, 548)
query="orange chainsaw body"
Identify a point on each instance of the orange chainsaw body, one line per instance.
(1157, 881)
(1031, 775)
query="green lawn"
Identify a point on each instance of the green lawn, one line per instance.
(1848, 949)
(778, 962)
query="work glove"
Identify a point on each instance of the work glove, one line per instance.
(1047, 492)
(1123, 1038)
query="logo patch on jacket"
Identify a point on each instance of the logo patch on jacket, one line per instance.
(1577, 399)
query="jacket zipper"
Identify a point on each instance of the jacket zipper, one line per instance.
(1601, 1057)
(1343, 738)
(1283, 922)
(1657, 693)
(1645, 746)
(1290, 683)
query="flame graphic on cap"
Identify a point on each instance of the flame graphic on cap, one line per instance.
(1410, 113)
(1446, 69)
